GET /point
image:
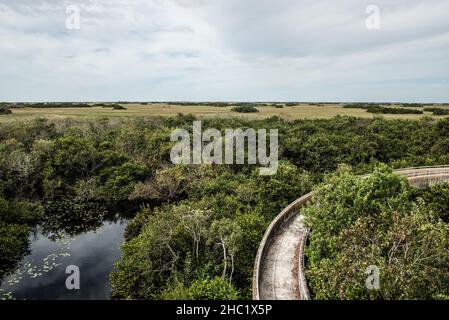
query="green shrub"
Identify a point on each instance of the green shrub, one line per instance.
(441, 112)
(245, 109)
(412, 105)
(58, 105)
(437, 111)
(437, 197)
(14, 244)
(385, 110)
(208, 289)
(5, 110)
(21, 211)
(357, 106)
(374, 221)
(118, 107)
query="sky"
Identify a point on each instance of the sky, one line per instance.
(224, 50)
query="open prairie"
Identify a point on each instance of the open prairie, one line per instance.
(300, 111)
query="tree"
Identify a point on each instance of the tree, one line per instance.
(14, 244)
(227, 234)
(149, 259)
(276, 192)
(437, 197)
(245, 109)
(166, 185)
(120, 181)
(195, 222)
(4, 110)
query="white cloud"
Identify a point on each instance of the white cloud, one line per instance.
(224, 50)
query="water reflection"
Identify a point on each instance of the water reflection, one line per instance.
(94, 249)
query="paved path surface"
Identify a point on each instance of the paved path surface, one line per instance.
(279, 267)
(278, 273)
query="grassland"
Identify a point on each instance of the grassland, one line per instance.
(300, 111)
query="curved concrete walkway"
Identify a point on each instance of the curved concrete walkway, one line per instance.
(279, 266)
(277, 272)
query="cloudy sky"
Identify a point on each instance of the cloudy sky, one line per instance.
(271, 50)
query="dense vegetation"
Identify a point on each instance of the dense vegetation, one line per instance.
(245, 109)
(212, 104)
(381, 109)
(118, 107)
(357, 106)
(13, 246)
(378, 221)
(198, 227)
(50, 105)
(4, 109)
(391, 110)
(437, 111)
(412, 105)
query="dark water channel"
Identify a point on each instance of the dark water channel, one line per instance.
(42, 273)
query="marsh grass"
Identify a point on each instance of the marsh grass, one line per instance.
(300, 111)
